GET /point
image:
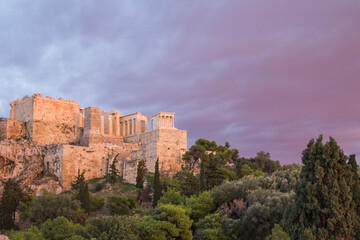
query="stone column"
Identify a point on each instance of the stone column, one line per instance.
(117, 125)
(110, 128)
(102, 124)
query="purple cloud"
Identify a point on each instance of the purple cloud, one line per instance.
(263, 75)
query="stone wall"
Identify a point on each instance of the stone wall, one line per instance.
(65, 160)
(167, 144)
(11, 129)
(22, 109)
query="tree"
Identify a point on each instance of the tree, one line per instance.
(114, 174)
(50, 206)
(85, 197)
(323, 207)
(167, 222)
(157, 184)
(211, 227)
(188, 182)
(355, 189)
(10, 199)
(277, 234)
(140, 174)
(79, 180)
(199, 206)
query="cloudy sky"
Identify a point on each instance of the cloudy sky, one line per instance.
(263, 75)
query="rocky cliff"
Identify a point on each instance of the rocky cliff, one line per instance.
(24, 161)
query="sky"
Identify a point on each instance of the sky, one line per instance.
(263, 75)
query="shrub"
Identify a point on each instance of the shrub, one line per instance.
(199, 206)
(172, 197)
(96, 202)
(211, 227)
(99, 187)
(50, 206)
(167, 222)
(118, 205)
(32, 234)
(103, 228)
(61, 228)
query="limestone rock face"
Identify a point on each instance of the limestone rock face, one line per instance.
(23, 160)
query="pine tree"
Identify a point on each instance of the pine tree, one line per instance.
(157, 184)
(140, 174)
(114, 173)
(80, 179)
(323, 207)
(10, 199)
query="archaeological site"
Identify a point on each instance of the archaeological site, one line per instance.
(57, 136)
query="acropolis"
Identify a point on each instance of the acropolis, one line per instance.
(72, 138)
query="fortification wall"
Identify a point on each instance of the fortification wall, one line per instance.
(65, 160)
(56, 110)
(22, 109)
(11, 129)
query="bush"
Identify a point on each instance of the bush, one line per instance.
(229, 191)
(32, 234)
(118, 205)
(103, 228)
(172, 197)
(99, 187)
(167, 222)
(211, 227)
(199, 206)
(96, 202)
(50, 206)
(61, 228)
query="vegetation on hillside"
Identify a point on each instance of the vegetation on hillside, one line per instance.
(217, 195)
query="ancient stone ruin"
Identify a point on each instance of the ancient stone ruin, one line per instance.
(62, 138)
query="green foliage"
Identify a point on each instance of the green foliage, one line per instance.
(114, 173)
(140, 174)
(50, 206)
(355, 189)
(188, 182)
(114, 227)
(171, 196)
(265, 208)
(323, 207)
(32, 234)
(157, 184)
(277, 234)
(85, 197)
(61, 228)
(211, 227)
(167, 222)
(96, 202)
(79, 181)
(199, 206)
(229, 191)
(10, 199)
(99, 187)
(118, 205)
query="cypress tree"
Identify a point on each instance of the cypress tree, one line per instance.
(355, 189)
(323, 207)
(10, 199)
(157, 184)
(85, 197)
(140, 174)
